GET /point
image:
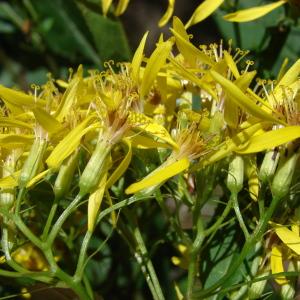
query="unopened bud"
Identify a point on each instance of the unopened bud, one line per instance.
(268, 166)
(33, 162)
(235, 177)
(95, 168)
(65, 176)
(257, 288)
(284, 175)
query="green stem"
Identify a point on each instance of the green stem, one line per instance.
(60, 221)
(50, 219)
(239, 215)
(27, 232)
(249, 244)
(19, 200)
(142, 247)
(193, 259)
(82, 257)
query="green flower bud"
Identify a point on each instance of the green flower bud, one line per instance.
(235, 177)
(94, 169)
(33, 162)
(65, 175)
(268, 166)
(287, 292)
(284, 174)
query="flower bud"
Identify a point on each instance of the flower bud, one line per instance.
(33, 162)
(65, 175)
(268, 166)
(284, 175)
(235, 177)
(94, 169)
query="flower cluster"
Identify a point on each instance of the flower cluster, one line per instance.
(198, 109)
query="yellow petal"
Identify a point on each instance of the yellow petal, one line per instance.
(37, 178)
(10, 141)
(243, 100)
(155, 63)
(168, 14)
(270, 139)
(94, 203)
(10, 181)
(68, 100)
(231, 64)
(159, 175)
(49, 123)
(191, 53)
(143, 142)
(141, 122)
(121, 7)
(137, 59)
(10, 122)
(69, 144)
(205, 9)
(122, 167)
(277, 265)
(296, 229)
(188, 75)
(291, 75)
(289, 238)
(252, 175)
(253, 13)
(17, 98)
(105, 6)
(230, 145)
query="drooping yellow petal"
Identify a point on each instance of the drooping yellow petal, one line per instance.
(137, 59)
(155, 63)
(204, 10)
(159, 175)
(141, 122)
(253, 13)
(277, 265)
(94, 203)
(270, 139)
(122, 167)
(242, 100)
(10, 181)
(69, 143)
(105, 6)
(168, 14)
(191, 53)
(49, 123)
(289, 238)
